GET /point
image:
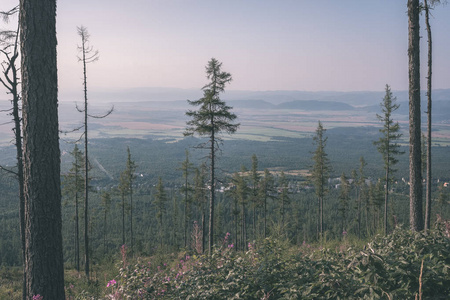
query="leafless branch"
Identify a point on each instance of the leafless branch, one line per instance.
(6, 14)
(78, 108)
(6, 123)
(70, 131)
(103, 116)
(8, 171)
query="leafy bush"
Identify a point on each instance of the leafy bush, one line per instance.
(399, 266)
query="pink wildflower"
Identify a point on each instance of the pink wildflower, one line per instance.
(111, 283)
(38, 297)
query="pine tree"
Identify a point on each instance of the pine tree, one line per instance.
(160, 200)
(319, 174)
(387, 145)
(88, 55)
(361, 188)
(42, 183)
(429, 105)
(283, 197)
(186, 167)
(344, 198)
(9, 48)
(241, 192)
(200, 198)
(415, 172)
(130, 177)
(73, 187)
(212, 118)
(255, 178)
(106, 203)
(265, 191)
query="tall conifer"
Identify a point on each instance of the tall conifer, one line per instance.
(211, 118)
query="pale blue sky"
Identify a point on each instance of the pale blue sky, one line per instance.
(345, 45)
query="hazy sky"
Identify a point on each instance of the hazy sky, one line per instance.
(345, 45)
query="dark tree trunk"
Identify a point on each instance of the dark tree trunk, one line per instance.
(428, 191)
(243, 228)
(42, 188)
(415, 157)
(358, 199)
(186, 221)
(105, 232)
(77, 236)
(265, 216)
(86, 175)
(212, 193)
(131, 219)
(123, 219)
(386, 199)
(203, 231)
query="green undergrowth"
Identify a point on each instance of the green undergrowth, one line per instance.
(10, 282)
(402, 265)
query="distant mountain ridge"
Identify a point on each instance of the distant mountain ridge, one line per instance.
(356, 99)
(314, 105)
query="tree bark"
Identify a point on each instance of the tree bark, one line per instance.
(86, 170)
(386, 200)
(415, 174)
(212, 192)
(428, 190)
(42, 186)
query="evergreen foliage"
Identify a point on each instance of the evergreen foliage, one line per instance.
(388, 145)
(212, 118)
(319, 174)
(159, 201)
(73, 187)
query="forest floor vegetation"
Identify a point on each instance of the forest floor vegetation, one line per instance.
(402, 265)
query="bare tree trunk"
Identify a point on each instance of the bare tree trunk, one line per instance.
(42, 188)
(77, 236)
(186, 221)
(265, 216)
(203, 231)
(415, 173)
(123, 218)
(386, 199)
(428, 191)
(358, 199)
(212, 193)
(131, 219)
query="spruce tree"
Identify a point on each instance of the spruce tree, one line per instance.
(73, 187)
(211, 118)
(319, 174)
(387, 145)
(106, 204)
(255, 178)
(265, 192)
(200, 196)
(160, 200)
(344, 198)
(283, 197)
(130, 177)
(186, 167)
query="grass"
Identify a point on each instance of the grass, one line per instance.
(10, 283)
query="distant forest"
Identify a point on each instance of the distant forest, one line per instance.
(156, 157)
